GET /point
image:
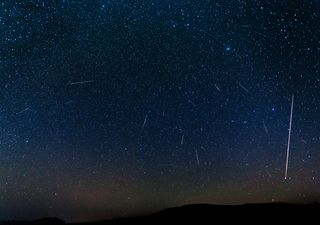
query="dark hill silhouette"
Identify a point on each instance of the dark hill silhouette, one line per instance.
(209, 214)
(43, 221)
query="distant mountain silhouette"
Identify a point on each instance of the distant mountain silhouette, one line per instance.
(209, 214)
(43, 221)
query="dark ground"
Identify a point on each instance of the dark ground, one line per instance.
(209, 214)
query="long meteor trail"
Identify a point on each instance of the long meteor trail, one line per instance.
(289, 137)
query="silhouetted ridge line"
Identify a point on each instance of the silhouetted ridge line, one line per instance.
(206, 213)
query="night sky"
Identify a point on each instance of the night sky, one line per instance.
(123, 107)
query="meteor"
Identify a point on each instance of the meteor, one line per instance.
(182, 140)
(265, 128)
(243, 87)
(145, 121)
(81, 82)
(217, 87)
(289, 139)
(197, 158)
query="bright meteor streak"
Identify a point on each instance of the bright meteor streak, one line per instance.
(289, 137)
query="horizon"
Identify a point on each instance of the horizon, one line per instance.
(114, 108)
(143, 215)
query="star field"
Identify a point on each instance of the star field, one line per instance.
(120, 107)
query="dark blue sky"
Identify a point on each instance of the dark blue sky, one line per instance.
(121, 107)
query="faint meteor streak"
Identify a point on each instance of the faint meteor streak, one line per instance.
(265, 128)
(246, 26)
(218, 89)
(182, 139)
(267, 172)
(243, 87)
(24, 110)
(197, 157)
(289, 137)
(81, 82)
(145, 121)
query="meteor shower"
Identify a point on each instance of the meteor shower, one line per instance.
(159, 111)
